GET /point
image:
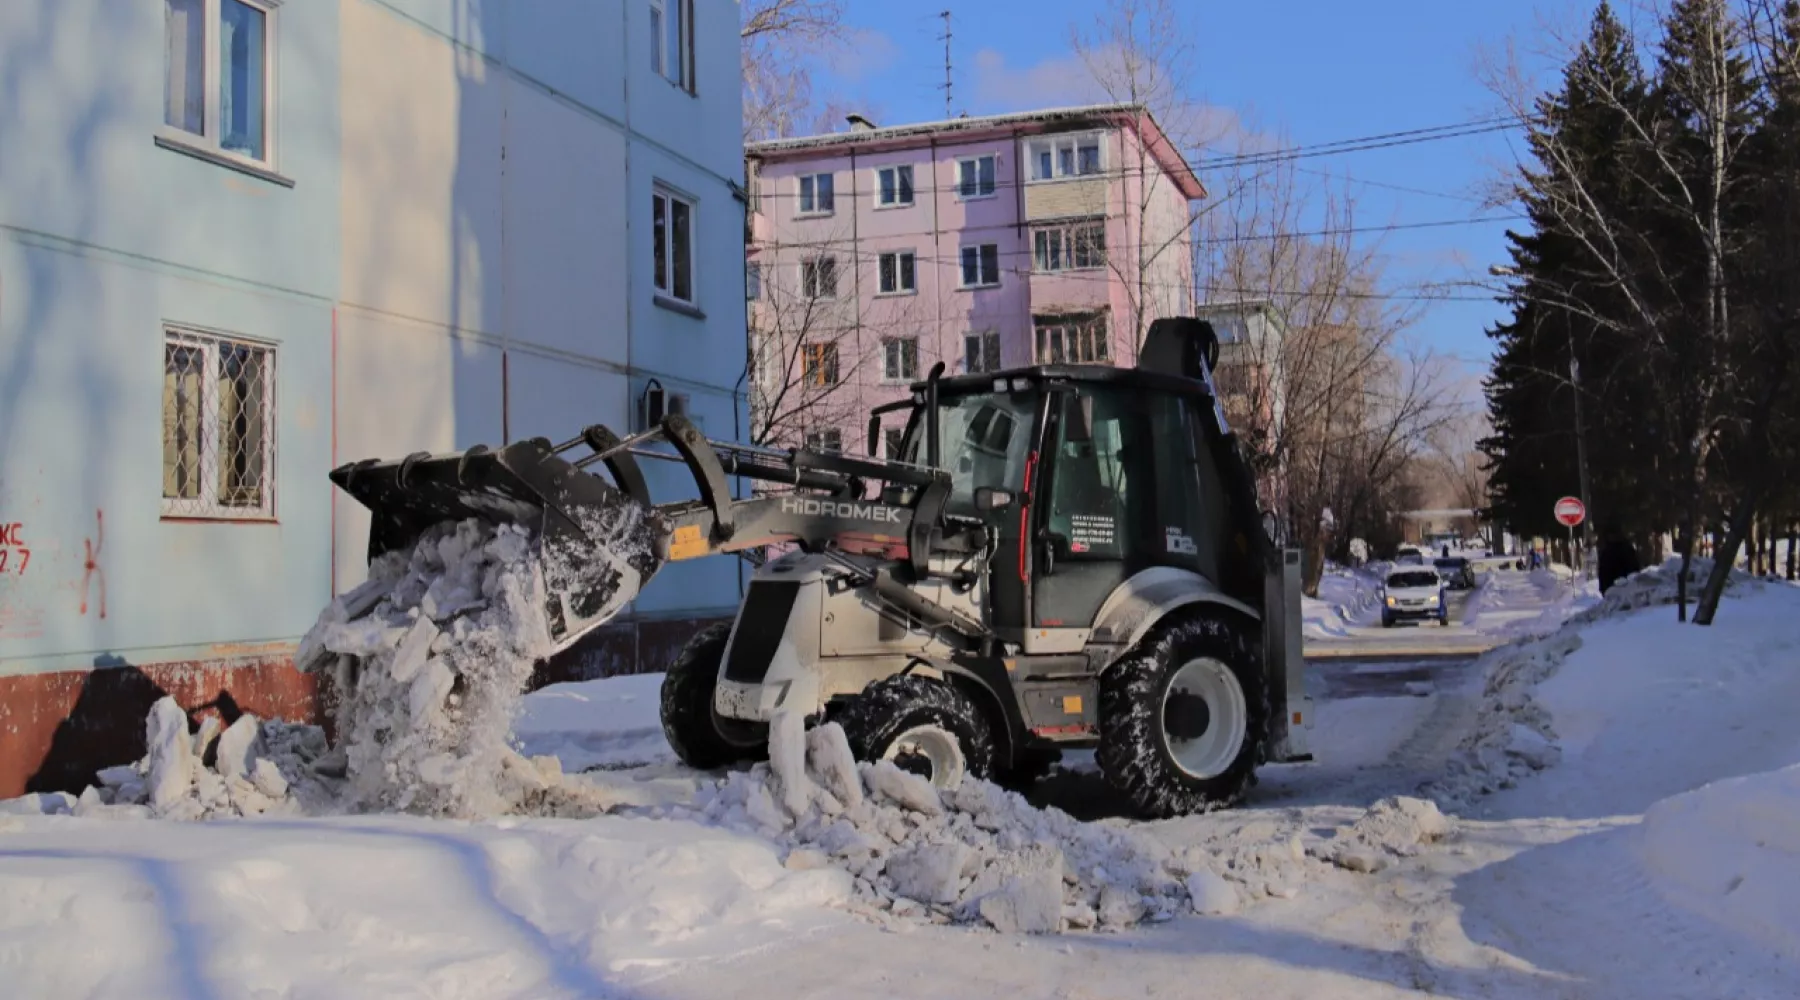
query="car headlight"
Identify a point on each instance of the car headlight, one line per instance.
(1390, 602)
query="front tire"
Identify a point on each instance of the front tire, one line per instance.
(693, 728)
(926, 726)
(1184, 720)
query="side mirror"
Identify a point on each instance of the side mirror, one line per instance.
(1078, 418)
(989, 499)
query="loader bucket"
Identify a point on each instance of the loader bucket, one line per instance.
(598, 545)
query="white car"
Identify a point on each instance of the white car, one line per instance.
(1413, 593)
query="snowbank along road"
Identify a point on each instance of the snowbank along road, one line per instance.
(1608, 810)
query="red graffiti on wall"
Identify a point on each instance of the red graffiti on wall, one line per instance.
(14, 556)
(91, 573)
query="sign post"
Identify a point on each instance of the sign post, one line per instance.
(1570, 511)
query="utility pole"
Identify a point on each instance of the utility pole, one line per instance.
(946, 40)
(1581, 466)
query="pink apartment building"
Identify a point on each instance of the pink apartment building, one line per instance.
(985, 243)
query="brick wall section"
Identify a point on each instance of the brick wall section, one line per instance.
(57, 729)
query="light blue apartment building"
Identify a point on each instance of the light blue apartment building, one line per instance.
(244, 241)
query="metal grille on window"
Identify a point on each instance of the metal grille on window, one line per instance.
(218, 427)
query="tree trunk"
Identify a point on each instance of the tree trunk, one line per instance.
(1685, 543)
(1753, 542)
(1726, 557)
(1791, 540)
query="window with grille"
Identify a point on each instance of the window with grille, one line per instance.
(818, 278)
(894, 186)
(900, 359)
(981, 265)
(218, 427)
(825, 440)
(821, 364)
(1073, 340)
(981, 352)
(1076, 247)
(898, 274)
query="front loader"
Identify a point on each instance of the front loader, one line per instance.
(1062, 556)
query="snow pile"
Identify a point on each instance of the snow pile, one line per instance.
(1512, 734)
(1728, 850)
(1395, 827)
(1346, 598)
(977, 854)
(1656, 586)
(249, 768)
(430, 658)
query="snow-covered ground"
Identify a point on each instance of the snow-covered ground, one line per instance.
(1622, 795)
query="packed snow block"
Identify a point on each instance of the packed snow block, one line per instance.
(209, 731)
(1029, 897)
(1211, 895)
(830, 759)
(909, 791)
(267, 779)
(787, 759)
(429, 689)
(930, 873)
(237, 747)
(1532, 747)
(413, 651)
(171, 754)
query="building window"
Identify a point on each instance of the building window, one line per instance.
(1059, 156)
(899, 359)
(218, 79)
(894, 186)
(1073, 340)
(981, 265)
(218, 427)
(818, 278)
(898, 275)
(975, 177)
(830, 440)
(1076, 247)
(820, 364)
(816, 195)
(672, 229)
(672, 41)
(753, 281)
(892, 439)
(981, 352)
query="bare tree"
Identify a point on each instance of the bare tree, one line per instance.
(1332, 403)
(780, 41)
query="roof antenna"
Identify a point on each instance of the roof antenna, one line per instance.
(946, 40)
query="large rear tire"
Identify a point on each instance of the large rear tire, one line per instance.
(925, 726)
(694, 730)
(1184, 719)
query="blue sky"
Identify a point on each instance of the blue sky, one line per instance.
(1308, 71)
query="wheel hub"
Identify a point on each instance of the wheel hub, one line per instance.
(931, 753)
(1205, 717)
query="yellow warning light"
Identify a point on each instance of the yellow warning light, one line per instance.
(1071, 704)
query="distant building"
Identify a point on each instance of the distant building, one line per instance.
(243, 241)
(1251, 381)
(982, 243)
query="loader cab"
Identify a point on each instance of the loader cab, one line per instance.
(1088, 476)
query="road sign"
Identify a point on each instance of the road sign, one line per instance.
(1570, 511)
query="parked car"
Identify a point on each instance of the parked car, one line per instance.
(1413, 594)
(1457, 571)
(1409, 555)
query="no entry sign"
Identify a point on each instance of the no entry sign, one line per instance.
(1570, 511)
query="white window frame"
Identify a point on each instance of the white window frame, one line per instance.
(816, 441)
(811, 286)
(666, 290)
(207, 505)
(894, 357)
(1062, 238)
(211, 120)
(981, 351)
(1060, 170)
(898, 170)
(659, 31)
(993, 189)
(1091, 330)
(899, 288)
(962, 266)
(800, 209)
(827, 372)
